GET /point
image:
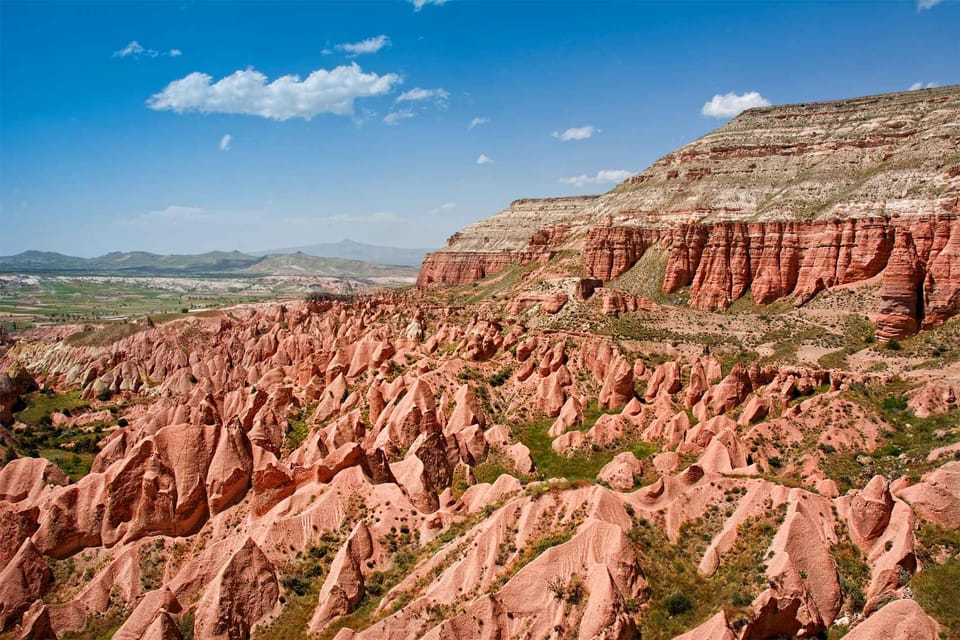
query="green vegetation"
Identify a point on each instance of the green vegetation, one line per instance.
(100, 626)
(858, 333)
(937, 589)
(297, 429)
(902, 449)
(70, 448)
(645, 278)
(854, 573)
(490, 470)
(301, 580)
(582, 465)
(682, 597)
(41, 405)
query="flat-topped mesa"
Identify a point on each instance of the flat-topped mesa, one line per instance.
(530, 229)
(781, 201)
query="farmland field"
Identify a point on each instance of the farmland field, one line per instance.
(30, 300)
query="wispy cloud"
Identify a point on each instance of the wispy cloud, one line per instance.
(420, 4)
(923, 5)
(484, 159)
(225, 142)
(476, 122)
(417, 94)
(370, 45)
(135, 50)
(920, 85)
(604, 176)
(396, 117)
(575, 133)
(730, 104)
(446, 206)
(249, 92)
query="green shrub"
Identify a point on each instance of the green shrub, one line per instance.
(894, 403)
(678, 603)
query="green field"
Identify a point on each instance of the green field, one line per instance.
(29, 300)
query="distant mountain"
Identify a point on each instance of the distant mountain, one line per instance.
(351, 250)
(213, 263)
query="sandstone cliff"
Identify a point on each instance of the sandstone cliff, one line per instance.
(782, 201)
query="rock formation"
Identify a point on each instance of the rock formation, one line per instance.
(768, 204)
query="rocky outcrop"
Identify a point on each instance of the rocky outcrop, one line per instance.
(781, 202)
(343, 588)
(14, 382)
(899, 620)
(243, 591)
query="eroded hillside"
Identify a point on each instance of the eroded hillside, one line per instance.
(449, 466)
(783, 201)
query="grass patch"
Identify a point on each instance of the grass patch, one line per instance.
(75, 465)
(100, 626)
(902, 449)
(854, 574)
(582, 465)
(937, 590)
(41, 405)
(937, 587)
(490, 470)
(297, 429)
(70, 448)
(683, 597)
(301, 580)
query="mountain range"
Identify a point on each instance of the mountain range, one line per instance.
(335, 263)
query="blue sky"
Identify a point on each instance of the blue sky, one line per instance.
(107, 145)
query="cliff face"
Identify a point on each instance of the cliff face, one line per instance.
(781, 201)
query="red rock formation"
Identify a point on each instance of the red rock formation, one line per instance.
(549, 302)
(614, 301)
(243, 591)
(343, 588)
(610, 251)
(899, 620)
(22, 580)
(464, 267)
(901, 296)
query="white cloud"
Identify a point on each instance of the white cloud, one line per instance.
(730, 104)
(476, 122)
(604, 176)
(420, 4)
(919, 85)
(132, 49)
(922, 5)
(575, 133)
(446, 206)
(248, 92)
(417, 94)
(135, 50)
(484, 159)
(225, 142)
(395, 117)
(370, 45)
